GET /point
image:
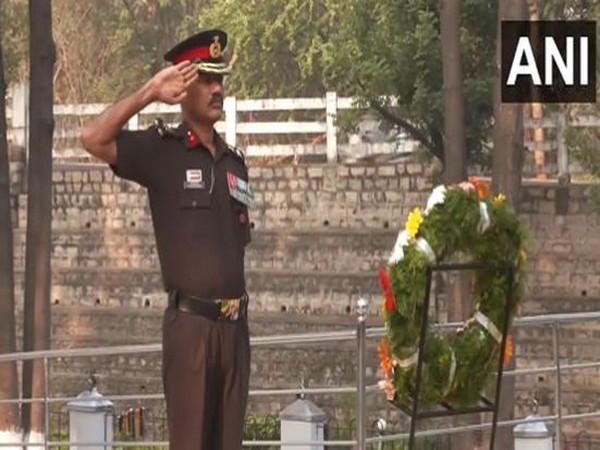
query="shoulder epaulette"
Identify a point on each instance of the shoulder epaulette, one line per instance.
(237, 152)
(163, 130)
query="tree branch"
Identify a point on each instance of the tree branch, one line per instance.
(404, 124)
(416, 133)
(134, 24)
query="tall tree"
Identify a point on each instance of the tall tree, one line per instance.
(507, 168)
(368, 49)
(455, 146)
(104, 48)
(39, 212)
(392, 48)
(9, 383)
(509, 150)
(278, 45)
(455, 156)
(155, 25)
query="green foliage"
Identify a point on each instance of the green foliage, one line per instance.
(104, 49)
(60, 436)
(89, 44)
(153, 26)
(281, 48)
(457, 368)
(393, 48)
(568, 9)
(120, 45)
(277, 44)
(262, 428)
(583, 145)
(362, 48)
(15, 39)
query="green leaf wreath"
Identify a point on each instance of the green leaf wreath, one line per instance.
(458, 367)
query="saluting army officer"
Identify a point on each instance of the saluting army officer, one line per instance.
(199, 197)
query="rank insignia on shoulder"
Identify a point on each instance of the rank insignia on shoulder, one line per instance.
(161, 128)
(237, 152)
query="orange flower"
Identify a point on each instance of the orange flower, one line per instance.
(508, 350)
(483, 189)
(386, 364)
(385, 358)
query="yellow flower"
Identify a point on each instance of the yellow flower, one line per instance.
(415, 219)
(499, 199)
(522, 256)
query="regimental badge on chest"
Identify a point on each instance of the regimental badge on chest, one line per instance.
(194, 179)
(240, 189)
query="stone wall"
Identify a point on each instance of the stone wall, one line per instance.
(319, 233)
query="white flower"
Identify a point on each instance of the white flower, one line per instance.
(398, 251)
(424, 246)
(484, 221)
(438, 196)
(387, 386)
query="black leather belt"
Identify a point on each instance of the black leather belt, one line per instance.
(216, 309)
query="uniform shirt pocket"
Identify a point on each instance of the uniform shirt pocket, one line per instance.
(194, 198)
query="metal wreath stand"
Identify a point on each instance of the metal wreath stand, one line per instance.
(445, 409)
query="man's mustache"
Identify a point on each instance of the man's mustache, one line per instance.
(216, 99)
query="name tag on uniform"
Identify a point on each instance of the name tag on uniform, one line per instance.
(240, 189)
(193, 179)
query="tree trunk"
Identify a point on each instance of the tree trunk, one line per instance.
(39, 213)
(9, 383)
(455, 150)
(509, 150)
(507, 169)
(455, 162)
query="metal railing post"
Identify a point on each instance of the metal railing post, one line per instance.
(361, 416)
(46, 403)
(380, 425)
(558, 387)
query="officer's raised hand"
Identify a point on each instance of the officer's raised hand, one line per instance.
(170, 84)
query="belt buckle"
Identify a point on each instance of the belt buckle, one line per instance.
(229, 308)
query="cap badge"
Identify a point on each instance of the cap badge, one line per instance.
(215, 48)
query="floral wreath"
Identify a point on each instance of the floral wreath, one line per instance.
(457, 368)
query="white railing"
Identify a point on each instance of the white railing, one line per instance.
(321, 131)
(315, 136)
(360, 334)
